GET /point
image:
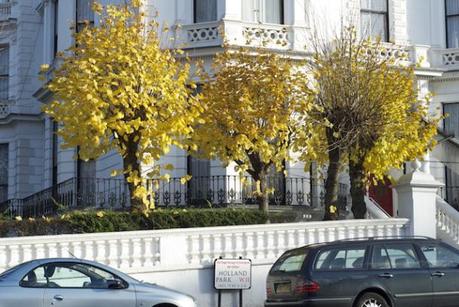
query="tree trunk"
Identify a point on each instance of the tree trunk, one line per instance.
(331, 183)
(263, 198)
(358, 189)
(130, 162)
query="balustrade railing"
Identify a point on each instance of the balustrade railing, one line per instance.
(447, 222)
(5, 108)
(5, 10)
(147, 251)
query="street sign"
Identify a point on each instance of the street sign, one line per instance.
(233, 274)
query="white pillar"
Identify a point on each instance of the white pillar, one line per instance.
(417, 192)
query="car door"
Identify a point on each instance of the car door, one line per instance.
(443, 262)
(340, 272)
(30, 293)
(78, 284)
(396, 267)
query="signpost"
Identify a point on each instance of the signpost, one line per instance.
(232, 274)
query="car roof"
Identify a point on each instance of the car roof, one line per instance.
(29, 265)
(365, 240)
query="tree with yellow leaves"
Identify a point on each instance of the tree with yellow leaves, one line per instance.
(377, 120)
(117, 89)
(250, 99)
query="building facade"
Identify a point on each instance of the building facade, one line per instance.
(33, 31)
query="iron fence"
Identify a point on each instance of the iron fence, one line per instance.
(211, 191)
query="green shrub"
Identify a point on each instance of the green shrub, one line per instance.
(111, 221)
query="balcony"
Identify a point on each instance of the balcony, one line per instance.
(239, 33)
(447, 59)
(5, 108)
(5, 11)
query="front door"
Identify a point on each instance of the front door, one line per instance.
(74, 284)
(397, 268)
(444, 268)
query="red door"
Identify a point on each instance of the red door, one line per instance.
(382, 194)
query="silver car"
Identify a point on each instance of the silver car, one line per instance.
(65, 282)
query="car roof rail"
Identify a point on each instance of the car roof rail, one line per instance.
(384, 238)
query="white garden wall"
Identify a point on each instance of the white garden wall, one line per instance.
(183, 258)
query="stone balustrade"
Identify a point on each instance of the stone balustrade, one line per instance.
(5, 108)
(5, 11)
(447, 222)
(191, 248)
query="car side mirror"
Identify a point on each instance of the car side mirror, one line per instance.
(115, 284)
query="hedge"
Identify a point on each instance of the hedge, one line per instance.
(110, 221)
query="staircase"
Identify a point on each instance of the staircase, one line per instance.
(447, 223)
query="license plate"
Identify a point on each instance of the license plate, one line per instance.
(283, 288)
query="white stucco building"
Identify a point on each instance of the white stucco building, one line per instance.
(32, 31)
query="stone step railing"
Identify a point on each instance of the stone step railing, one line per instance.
(374, 210)
(447, 222)
(162, 250)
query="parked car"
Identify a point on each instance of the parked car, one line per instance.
(80, 283)
(417, 272)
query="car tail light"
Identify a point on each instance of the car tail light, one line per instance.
(269, 291)
(307, 287)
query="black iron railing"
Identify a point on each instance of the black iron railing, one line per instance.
(211, 191)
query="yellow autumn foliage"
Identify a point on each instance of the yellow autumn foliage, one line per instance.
(117, 89)
(251, 100)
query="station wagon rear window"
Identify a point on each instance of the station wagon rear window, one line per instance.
(290, 262)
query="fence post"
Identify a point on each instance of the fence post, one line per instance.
(417, 192)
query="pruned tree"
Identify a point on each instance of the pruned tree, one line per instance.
(376, 119)
(250, 100)
(117, 89)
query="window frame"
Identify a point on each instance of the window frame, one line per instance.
(425, 261)
(195, 12)
(446, 23)
(386, 19)
(261, 12)
(57, 263)
(79, 22)
(419, 257)
(365, 247)
(6, 76)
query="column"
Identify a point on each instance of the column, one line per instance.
(417, 193)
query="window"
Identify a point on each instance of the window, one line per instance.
(452, 23)
(266, 11)
(440, 256)
(3, 172)
(69, 275)
(341, 259)
(4, 72)
(205, 10)
(394, 256)
(85, 14)
(290, 262)
(374, 19)
(451, 122)
(54, 152)
(56, 27)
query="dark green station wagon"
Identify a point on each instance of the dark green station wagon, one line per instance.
(373, 272)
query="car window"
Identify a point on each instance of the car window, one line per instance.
(290, 262)
(440, 257)
(340, 259)
(68, 275)
(394, 256)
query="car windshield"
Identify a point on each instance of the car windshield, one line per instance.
(12, 270)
